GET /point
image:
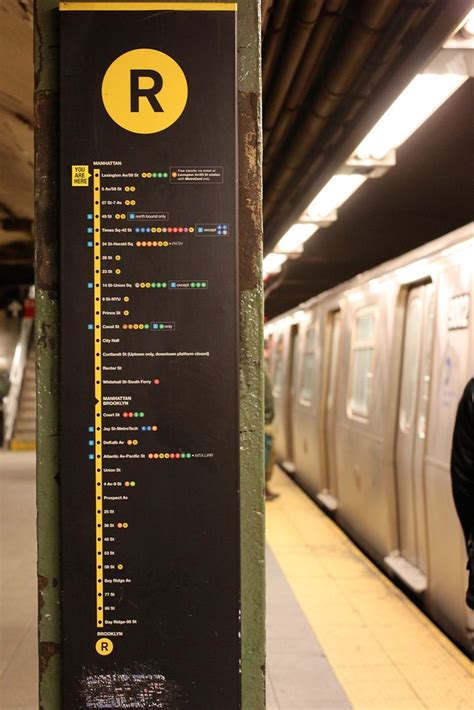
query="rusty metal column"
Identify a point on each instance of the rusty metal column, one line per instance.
(251, 380)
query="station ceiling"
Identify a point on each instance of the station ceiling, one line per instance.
(330, 68)
(16, 140)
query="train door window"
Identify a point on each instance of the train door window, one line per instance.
(278, 369)
(363, 344)
(294, 364)
(411, 354)
(307, 375)
(334, 354)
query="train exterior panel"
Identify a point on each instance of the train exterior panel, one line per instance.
(367, 378)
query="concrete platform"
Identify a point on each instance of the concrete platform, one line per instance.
(18, 598)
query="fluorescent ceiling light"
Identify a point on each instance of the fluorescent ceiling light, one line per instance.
(272, 263)
(336, 191)
(422, 97)
(295, 237)
(468, 25)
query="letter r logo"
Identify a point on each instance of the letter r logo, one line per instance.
(144, 91)
(104, 647)
(137, 91)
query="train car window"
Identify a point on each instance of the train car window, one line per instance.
(307, 376)
(363, 344)
(278, 369)
(335, 336)
(294, 369)
(411, 356)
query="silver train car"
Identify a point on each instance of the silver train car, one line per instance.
(366, 380)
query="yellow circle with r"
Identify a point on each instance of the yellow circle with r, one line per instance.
(104, 647)
(144, 91)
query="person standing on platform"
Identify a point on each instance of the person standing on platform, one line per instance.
(269, 453)
(462, 477)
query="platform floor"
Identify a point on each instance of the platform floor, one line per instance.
(18, 599)
(382, 650)
(339, 634)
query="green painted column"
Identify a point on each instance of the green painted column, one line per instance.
(251, 377)
(251, 357)
(46, 234)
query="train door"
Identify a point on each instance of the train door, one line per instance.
(411, 430)
(329, 496)
(292, 373)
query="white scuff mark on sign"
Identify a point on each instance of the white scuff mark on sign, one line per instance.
(130, 688)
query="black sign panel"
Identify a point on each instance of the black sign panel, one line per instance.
(149, 357)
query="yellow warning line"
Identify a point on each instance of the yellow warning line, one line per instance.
(127, 6)
(98, 401)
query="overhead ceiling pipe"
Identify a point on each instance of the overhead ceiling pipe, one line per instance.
(436, 25)
(298, 36)
(405, 22)
(277, 28)
(321, 37)
(349, 61)
(375, 68)
(385, 55)
(267, 6)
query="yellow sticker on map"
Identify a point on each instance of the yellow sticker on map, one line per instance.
(80, 176)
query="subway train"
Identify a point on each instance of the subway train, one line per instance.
(366, 380)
